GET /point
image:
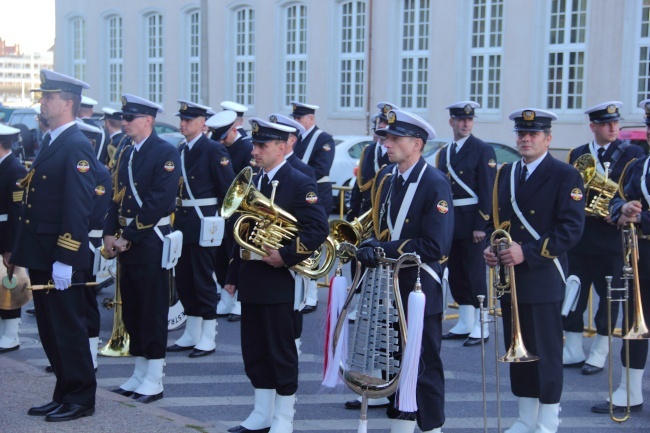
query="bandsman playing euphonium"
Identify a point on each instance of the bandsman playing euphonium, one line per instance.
(413, 214)
(633, 208)
(539, 200)
(598, 253)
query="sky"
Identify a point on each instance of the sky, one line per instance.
(29, 23)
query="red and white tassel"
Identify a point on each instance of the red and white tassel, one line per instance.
(411, 358)
(334, 356)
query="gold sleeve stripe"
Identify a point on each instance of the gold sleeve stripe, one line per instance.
(66, 241)
(400, 249)
(546, 253)
(18, 195)
(141, 226)
(443, 259)
(484, 216)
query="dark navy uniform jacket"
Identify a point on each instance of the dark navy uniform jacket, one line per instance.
(101, 200)
(240, 154)
(475, 164)
(552, 202)
(101, 143)
(427, 230)
(321, 159)
(632, 191)
(371, 160)
(209, 172)
(11, 197)
(259, 283)
(57, 204)
(156, 173)
(118, 141)
(599, 236)
(301, 166)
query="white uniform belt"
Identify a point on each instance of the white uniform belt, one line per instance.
(126, 221)
(323, 179)
(248, 255)
(4, 217)
(197, 202)
(95, 234)
(465, 201)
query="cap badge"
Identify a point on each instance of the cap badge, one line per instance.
(311, 198)
(528, 115)
(576, 194)
(611, 109)
(123, 100)
(256, 127)
(294, 107)
(43, 77)
(468, 109)
(387, 108)
(442, 207)
(83, 166)
(225, 161)
(391, 117)
(183, 106)
(169, 166)
(100, 190)
(274, 119)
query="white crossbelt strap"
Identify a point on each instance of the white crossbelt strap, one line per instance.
(101, 144)
(310, 147)
(523, 219)
(4, 217)
(473, 199)
(199, 202)
(161, 222)
(406, 204)
(323, 179)
(95, 233)
(644, 187)
(139, 200)
(194, 202)
(377, 152)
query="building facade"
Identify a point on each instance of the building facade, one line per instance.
(348, 55)
(19, 72)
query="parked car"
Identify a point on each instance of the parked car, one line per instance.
(174, 138)
(163, 128)
(346, 159)
(635, 135)
(503, 152)
(25, 120)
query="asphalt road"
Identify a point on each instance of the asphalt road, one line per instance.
(215, 390)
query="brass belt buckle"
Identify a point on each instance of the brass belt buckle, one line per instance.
(179, 202)
(122, 221)
(245, 254)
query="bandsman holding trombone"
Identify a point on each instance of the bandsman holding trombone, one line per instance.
(540, 203)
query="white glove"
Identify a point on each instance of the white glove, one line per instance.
(62, 275)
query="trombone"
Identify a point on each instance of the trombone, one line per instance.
(639, 329)
(502, 282)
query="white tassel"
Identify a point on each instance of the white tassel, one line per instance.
(411, 356)
(333, 358)
(363, 426)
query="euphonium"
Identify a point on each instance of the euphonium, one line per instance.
(598, 187)
(354, 232)
(262, 223)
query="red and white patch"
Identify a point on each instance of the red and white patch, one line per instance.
(576, 194)
(83, 166)
(100, 190)
(492, 163)
(311, 198)
(442, 207)
(225, 161)
(327, 147)
(169, 166)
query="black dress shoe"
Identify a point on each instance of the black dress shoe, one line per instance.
(589, 369)
(49, 369)
(234, 318)
(197, 353)
(242, 429)
(356, 405)
(123, 392)
(309, 309)
(177, 348)
(471, 341)
(9, 349)
(141, 398)
(604, 408)
(223, 315)
(574, 365)
(69, 411)
(452, 336)
(43, 410)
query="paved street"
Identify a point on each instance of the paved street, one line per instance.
(215, 391)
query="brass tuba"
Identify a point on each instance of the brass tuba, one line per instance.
(598, 187)
(14, 287)
(354, 232)
(263, 223)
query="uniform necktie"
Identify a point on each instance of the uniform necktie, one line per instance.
(454, 150)
(601, 155)
(522, 175)
(265, 185)
(46, 141)
(398, 185)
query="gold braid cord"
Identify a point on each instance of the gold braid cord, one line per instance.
(363, 187)
(24, 183)
(621, 179)
(118, 194)
(376, 206)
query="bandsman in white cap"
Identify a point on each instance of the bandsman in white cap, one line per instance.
(240, 110)
(541, 204)
(51, 242)
(85, 114)
(632, 208)
(599, 253)
(146, 183)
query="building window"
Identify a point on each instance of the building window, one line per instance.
(115, 59)
(352, 57)
(154, 58)
(295, 54)
(643, 50)
(485, 53)
(566, 55)
(414, 71)
(245, 56)
(79, 48)
(194, 57)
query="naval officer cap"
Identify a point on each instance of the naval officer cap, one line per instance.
(110, 114)
(645, 104)
(605, 112)
(299, 109)
(8, 134)
(287, 121)
(405, 124)
(191, 110)
(88, 130)
(221, 123)
(463, 109)
(234, 106)
(88, 102)
(132, 104)
(384, 108)
(56, 82)
(532, 119)
(263, 131)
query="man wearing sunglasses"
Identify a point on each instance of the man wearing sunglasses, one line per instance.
(144, 197)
